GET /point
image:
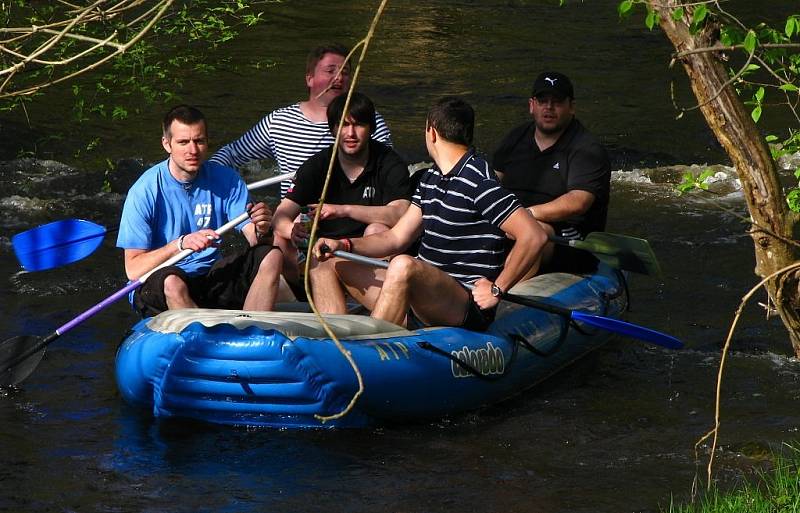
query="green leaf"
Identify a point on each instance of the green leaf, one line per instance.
(651, 19)
(771, 138)
(793, 199)
(750, 41)
(625, 7)
(789, 87)
(699, 14)
(759, 96)
(756, 113)
(677, 14)
(791, 26)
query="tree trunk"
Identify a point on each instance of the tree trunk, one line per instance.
(737, 132)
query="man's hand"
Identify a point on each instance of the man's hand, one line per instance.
(329, 246)
(328, 211)
(261, 217)
(199, 240)
(482, 294)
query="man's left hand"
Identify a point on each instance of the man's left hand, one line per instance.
(328, 211)
(261, 217)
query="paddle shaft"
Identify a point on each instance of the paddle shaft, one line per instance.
(113, 298)
(599, 321)
(547, 307)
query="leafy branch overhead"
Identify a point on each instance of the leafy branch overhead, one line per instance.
(763, 63)
(46, 43)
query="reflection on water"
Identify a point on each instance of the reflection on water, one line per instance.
(626, 419)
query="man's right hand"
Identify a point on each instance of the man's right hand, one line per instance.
(200, 240)
(324, 248)
(299, 233)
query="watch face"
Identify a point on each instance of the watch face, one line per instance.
(496, 292)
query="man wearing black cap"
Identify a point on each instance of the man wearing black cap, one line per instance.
(558, 170)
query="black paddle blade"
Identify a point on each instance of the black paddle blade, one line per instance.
(621, 251)
(16, 360)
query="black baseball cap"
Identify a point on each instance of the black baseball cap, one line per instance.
(553, 82)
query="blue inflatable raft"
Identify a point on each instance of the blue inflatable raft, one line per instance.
(281, 369)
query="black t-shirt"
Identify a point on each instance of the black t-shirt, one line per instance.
(577, 161)
(385, 179)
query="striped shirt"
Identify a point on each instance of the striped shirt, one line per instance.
(288, 137)
(461, 217)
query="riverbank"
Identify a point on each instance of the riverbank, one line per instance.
(773, 490)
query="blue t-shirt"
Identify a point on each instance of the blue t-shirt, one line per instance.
(160, 209)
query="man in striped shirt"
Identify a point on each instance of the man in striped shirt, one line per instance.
(464, 217)
(291, 135)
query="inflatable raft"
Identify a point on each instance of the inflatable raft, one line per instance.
(281, 369)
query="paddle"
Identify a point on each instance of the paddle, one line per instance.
(618, 251)
(20, 355)
(598, 321)
(63, 242)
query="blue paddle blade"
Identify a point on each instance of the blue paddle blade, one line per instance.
(628, 329)
(57, 243)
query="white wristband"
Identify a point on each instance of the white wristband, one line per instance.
(180, 243)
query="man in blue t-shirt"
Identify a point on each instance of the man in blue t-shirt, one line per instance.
(178, 204)
(464, 217)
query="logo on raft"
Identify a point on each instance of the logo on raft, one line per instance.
(488, 361)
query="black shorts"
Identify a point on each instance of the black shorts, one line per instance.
(475, 319)
(224, 286)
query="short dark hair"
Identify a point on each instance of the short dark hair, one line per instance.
(453, 118)
(186, 114)
(316, 55)
(361, 109)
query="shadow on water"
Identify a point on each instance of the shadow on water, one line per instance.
(614, 433)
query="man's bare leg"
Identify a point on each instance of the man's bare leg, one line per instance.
(326, 290)
(264, 289)
(435, 297)
(176, 293)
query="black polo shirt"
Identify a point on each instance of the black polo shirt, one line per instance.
(577, 161)
(385, 179)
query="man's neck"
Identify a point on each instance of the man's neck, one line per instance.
(179, 174)
(315, 110)
(545, 141)
(353, 165)
(448, 155)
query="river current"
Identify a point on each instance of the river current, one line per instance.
(616, 432)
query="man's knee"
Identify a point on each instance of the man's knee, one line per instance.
(272, 263)
(374, 228)
(402, 267)
(175, 287)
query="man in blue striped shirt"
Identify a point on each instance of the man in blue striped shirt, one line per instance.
(464, 217)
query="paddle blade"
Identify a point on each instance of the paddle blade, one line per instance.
(57, 243)
(621, 252)
(15, 363)
(628, 329)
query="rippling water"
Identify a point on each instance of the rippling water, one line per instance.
(614, 433)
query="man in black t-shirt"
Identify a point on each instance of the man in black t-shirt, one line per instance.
(558, 170)
(369, 191)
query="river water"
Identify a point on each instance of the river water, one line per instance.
(614, 433)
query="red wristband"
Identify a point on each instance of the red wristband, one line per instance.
(348, 244)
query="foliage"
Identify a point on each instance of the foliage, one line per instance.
(774, 491)
(764, 63)
(136, 71)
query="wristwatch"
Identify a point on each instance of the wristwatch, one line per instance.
(497, 291)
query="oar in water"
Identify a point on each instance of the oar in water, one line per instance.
(598, 321)
(618, 251)
(64, 242)
(20, 355)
